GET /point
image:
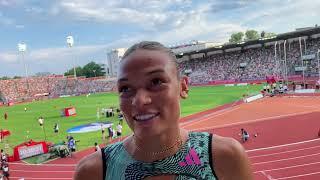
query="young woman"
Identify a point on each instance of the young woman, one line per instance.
(150, 89)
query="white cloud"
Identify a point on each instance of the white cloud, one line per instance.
(4, 2)
(63, 54)
(5, 20)
(19, 26)
(283, 16)
(146, 13)
(8, 57)
(34, 9)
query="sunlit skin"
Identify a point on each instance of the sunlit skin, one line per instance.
(148, 84)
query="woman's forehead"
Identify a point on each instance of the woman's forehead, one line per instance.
(146, 60)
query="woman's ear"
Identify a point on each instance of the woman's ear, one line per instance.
(184, 89)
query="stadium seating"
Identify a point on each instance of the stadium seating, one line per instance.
(30, 88)
(260, 62)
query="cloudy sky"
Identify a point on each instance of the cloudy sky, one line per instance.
(100, 25)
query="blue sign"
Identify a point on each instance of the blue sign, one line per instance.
(90, 127)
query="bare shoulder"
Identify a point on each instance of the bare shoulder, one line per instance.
(89, 167)
(230, 161)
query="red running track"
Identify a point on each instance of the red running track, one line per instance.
(286, 147)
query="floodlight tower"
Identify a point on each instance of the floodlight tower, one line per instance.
(22, 47)
(70, 43)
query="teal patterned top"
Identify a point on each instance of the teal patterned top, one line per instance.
(192, 161)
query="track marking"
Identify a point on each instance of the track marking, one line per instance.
(286, 159)
(12, 177)
(208, 116)
(53, 171)
(267, 175)
(253, 120)
(301, 175)
(283, 145)
(283, 152)
(62, 165)
(302, 106)
(288, 167)
(40, 163)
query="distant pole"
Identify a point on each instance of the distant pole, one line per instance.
(302, 64)
(70, 43)
(22, 47)
(44, 132)
(285, 61)
(318, 63)
(276, 60)
(94, 71)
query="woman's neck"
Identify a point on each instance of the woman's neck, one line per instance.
(157, 147)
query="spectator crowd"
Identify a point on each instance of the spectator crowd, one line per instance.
(254, 63)
(241, 65)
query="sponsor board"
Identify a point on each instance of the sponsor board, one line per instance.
(305, 91)
(28, 151)
(253, 98)
(89, 127)
(242, 84)
(228, 85)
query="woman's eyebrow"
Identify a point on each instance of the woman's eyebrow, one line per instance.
(122, 79)
(155, 71)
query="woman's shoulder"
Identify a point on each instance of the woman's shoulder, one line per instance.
(230, 156)
(89, 167)
(93, 165)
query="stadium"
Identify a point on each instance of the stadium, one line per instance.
(227, 94)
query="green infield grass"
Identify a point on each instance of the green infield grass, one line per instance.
(24, 125)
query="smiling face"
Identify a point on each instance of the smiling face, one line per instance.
(150, 91)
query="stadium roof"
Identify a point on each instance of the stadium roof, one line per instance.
(285, 36)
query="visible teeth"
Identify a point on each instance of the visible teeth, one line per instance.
(145, 116)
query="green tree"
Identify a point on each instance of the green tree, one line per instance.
(270, 34)
(4, 78)
(236, 37)
(42, 74)
(16, 77)
(79, 72)
(252, 35)
(93, 69)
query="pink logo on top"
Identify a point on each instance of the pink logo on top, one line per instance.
(191, 158)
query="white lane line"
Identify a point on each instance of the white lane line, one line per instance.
(267, 175)
(300, 175)
(52, 171)
(286, 159)
(253, 120)
(13, 177)
(208, 116)
(62, 165)
(288, 167)
(283, 145)
(284, 152)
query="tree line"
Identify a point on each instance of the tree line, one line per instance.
(250, 34)
(91, 69)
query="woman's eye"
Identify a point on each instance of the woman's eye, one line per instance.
(123, 89)
(156, 82)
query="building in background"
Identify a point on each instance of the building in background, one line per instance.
(113, 58)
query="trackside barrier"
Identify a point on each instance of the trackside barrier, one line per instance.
(242, 84)
(253, 98)
(228, 85)
(305, 91)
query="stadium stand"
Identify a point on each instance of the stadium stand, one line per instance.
(255, 60)
(26, 89)
(242, 62)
